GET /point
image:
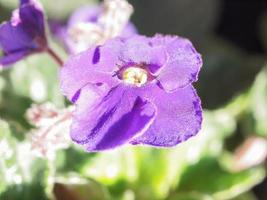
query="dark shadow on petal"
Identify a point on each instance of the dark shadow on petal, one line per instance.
(129, 125)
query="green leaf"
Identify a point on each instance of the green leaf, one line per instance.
(190, 196)
(246, 196)
(208, 177)
(112, 166)
(37, 78)
(2, 85)
(73, 159)
(24, 191)
(259, 102)
(22, 174)
(200, 196)
(8, 168)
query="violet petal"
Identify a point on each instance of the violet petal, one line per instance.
(24, 33)
(179, 117)
(9, 59)
(105, 119)
(183, 63)
(138, 50)
(80, 69)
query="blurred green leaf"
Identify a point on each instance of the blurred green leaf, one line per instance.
(72, 159)
(37, 78)
(190, 196)
(24, 191)
(200, 196)
(112, 166)
(259, 102)
(246, 196)
(22, 174)
(2, 85)
(12, 106)
(218, 182)
(8, 168)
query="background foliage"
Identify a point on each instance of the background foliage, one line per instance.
(232, 86)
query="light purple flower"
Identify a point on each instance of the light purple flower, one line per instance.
(92, 14)
(24, 34)
(136, 90)
(93, 25)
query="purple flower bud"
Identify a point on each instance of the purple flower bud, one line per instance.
(24, 34)
(136, 90)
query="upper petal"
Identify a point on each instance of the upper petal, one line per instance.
(138, 50)
(96, 65)
(183, 63)
(179, 117)
(24, 2)
(32, 20)
(106, 118)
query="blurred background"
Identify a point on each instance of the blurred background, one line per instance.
(226, 160)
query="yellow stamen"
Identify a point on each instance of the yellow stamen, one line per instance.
(135, 76)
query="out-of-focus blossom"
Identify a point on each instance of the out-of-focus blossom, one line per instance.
(251, 153)
(52, 128)
(94, 25)
(38, 115)
(136, 90)
(24, 34)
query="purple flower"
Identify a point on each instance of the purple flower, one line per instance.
(24, 34)
(137, 90)
(93, 25)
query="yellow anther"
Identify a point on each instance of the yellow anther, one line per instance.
(135, 76)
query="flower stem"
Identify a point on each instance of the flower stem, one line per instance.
(55, 56)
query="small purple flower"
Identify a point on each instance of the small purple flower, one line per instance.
(24, 34)
(136, 90)
(93, 25)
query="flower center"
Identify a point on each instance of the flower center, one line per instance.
(135, 76)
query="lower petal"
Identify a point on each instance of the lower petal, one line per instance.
(105, 119)
(179, 117)
(12, 58)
